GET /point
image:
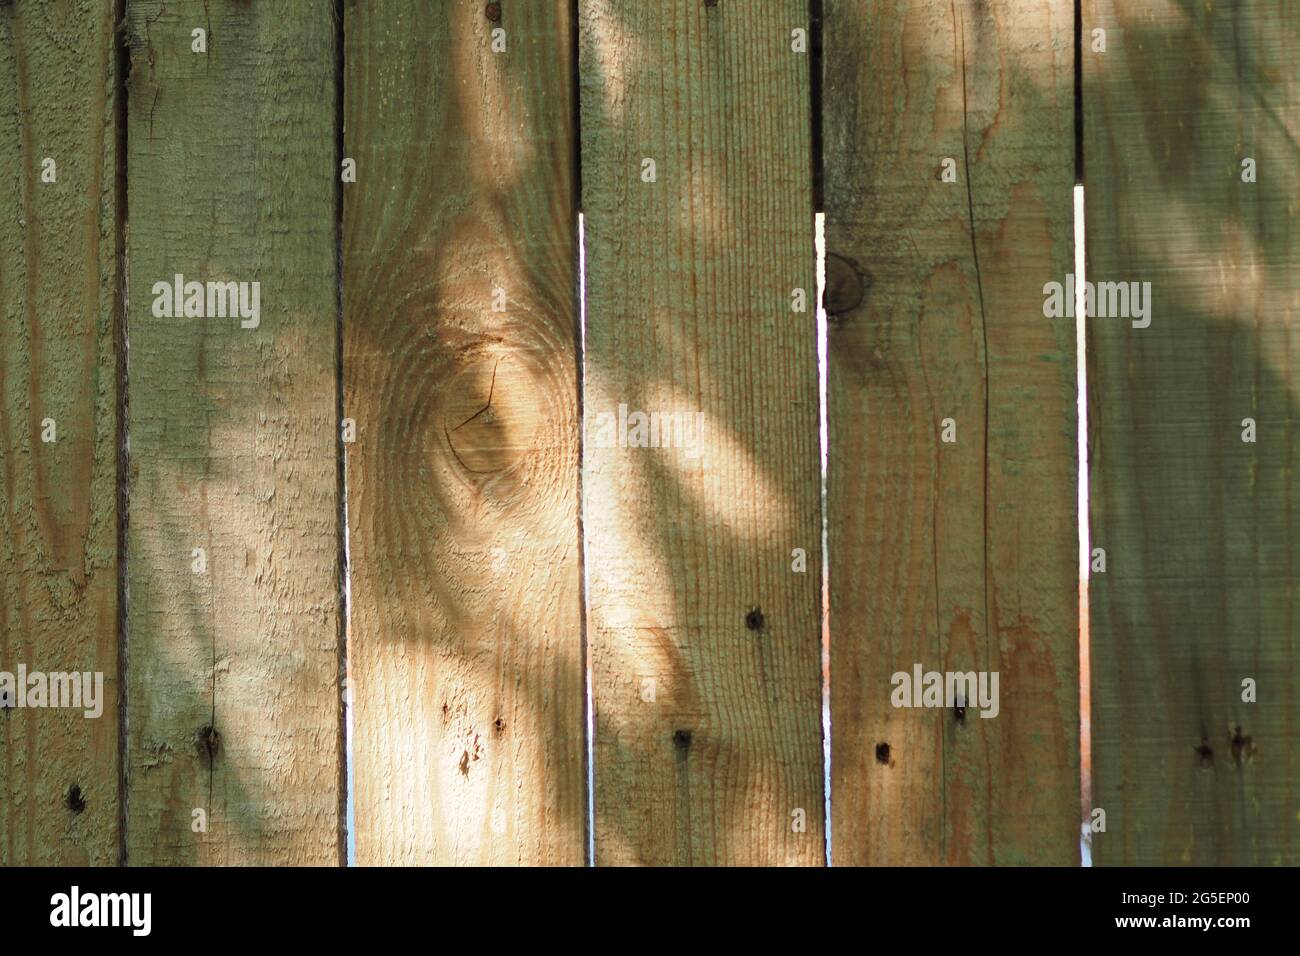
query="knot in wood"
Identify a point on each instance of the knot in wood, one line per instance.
(844, 285)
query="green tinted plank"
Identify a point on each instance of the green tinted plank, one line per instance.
(234, 698)
(59, 305)
(1199, 527)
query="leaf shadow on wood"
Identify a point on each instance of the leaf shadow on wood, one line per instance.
(690, 557)
(1200, 588)
(460, 359)
(233, 702)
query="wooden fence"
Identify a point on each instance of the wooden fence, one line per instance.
(404, 470)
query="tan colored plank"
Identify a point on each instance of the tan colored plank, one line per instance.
(1199, 527)
(466, 642)
(957, 556)
(59, 303)
(689, 313)
(233, 438)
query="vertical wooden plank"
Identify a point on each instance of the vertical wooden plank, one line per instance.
(460, 363)
(59, 298)
(1199, 526)
(955, 556)
(705, 644)
(234, 698)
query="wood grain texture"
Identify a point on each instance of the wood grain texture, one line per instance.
(233, 438)
(59, 300)
(1199, 527)
(689, 313)
(958, 557)
(460, 364)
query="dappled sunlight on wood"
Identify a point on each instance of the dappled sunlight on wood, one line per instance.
(459, 363)
(485, 92)
(615, 51)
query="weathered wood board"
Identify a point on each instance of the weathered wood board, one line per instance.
(705, 643)
(461, 370)
(1199, 526)
(949, 160)
(59, 304)
(174, 474)
(233, 656)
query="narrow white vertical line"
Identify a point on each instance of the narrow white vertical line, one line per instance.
(582, 292)
(588, 704)
(1085, 543)
(348, 736)
(823, 429)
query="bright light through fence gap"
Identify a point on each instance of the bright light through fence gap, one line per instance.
(588, 702)
(1085, 544)
(823, 429)
(350, 809)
